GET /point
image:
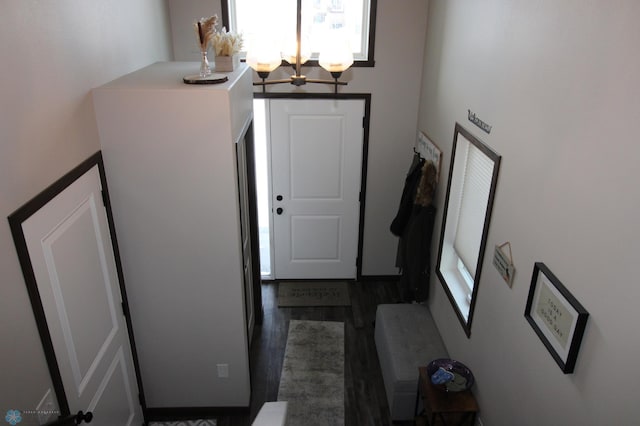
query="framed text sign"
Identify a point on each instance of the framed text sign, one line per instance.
(504, 263)
(556, 316)
(429, 151)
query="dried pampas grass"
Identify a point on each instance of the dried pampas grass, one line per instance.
(205, 28)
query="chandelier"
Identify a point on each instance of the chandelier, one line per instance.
(335, 60)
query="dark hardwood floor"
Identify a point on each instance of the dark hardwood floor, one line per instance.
(365, 398)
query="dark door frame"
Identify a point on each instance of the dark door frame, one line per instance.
(15, 222)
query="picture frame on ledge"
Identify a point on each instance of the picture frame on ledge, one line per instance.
(556, 316)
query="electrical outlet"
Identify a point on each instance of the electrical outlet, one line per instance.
(46, 407)
(223, 370)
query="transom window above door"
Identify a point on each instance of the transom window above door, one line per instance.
(323, 21)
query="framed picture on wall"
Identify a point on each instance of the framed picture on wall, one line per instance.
(556, 317)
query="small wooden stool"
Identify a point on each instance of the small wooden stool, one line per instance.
(445, 408)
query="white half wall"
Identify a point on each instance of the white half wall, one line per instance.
(559, 83)
(52, 55)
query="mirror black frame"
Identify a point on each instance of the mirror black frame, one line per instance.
(495, 158)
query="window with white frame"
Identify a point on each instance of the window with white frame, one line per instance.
(273, 23)
(472, 181)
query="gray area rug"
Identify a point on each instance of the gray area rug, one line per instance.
(312, 378)
(313, 294)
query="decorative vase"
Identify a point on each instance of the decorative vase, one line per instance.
(205, 70)
(227, 63)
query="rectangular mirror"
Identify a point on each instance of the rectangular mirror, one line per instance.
(465, 224)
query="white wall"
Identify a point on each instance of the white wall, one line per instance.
(559, 83)
(53, 53)
(183, 14)
(394, 84)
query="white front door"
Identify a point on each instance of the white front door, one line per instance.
(72, 257)
(316, 155)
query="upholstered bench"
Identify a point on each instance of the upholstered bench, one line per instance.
(406, 338)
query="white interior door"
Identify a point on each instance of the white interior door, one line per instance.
(71, 253)
(316, 155)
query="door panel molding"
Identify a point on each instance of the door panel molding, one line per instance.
(304, 227)
(16, 220)
(115, 373)
(81, 374)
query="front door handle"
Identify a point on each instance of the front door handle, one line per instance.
(279, 210)
(84, 417)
